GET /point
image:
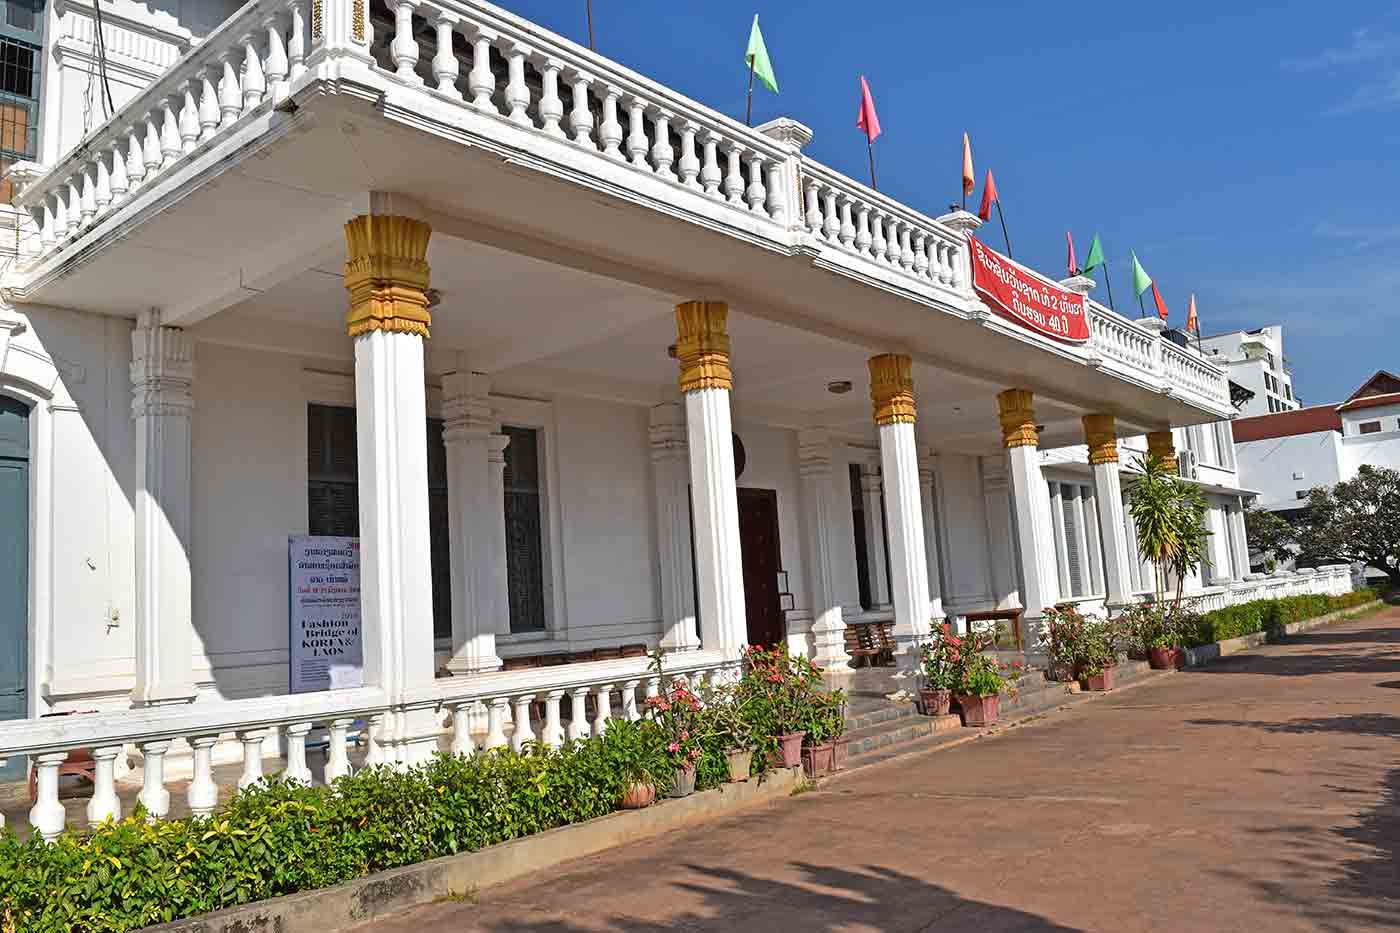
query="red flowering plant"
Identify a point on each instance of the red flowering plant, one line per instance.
(677, 715)
(776, 694)
(939, 658)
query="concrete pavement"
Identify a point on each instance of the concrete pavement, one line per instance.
(1260, 793)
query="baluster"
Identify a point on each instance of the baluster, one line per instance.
(879, 244)
(154, 797)
(47, 227)
(297, 769)
(551, 105)
(945, 262)
(462, 742)
(863, 237)
(87, 204)
(337, 755)
(848, 229)
(60, 215)
(710, 175)
(481, 82)
(814, 211)
(230, 97)
(552, 734)
(276, 67)
(690, 162)
(523, 734)
(580, 117)
(403, 48)
(602, 711)
(636, 133)
(189, 120)
(733, 178)
(75, 206)
(653, 687)
(252, 757)
(756, 193)
(203, 794)
(663, 155)
(445, 66)
(517, 92)
(578, 714)
(171, 147)
(832, 227)
(777, 193)
(47, 815)
(955, 267)
(611, 131)
(208, 108)
(906, 251)
(254, 84)
(375, 753)
(496, 711)
(296, 44)
(921, 254)
(629, 701)
(105, 804)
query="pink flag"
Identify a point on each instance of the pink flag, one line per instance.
(868, 120)
(1073, 263)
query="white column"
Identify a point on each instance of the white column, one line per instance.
(670, 472)
(1100, 433)
(928, 498)
(387, 275)
(706, 380)
(872, 490)
(820, 537)
(162, 376)
(473, 515)
(892, 392)
(1039, 584)
(1241, 544)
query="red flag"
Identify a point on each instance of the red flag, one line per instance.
(989, 196)
(1073, 263)
(1193, 323)
(867, 120)
(1161, 305)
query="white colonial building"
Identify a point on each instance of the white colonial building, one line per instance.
(1254, 360)
(585, 367)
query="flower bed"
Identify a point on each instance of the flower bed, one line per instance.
(1262, 615)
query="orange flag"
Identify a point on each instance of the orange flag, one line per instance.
(969, 179)
(989, 197)
(1193, 323)
(1161, 305)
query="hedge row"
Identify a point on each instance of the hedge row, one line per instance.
(1262, 615)
(278, 838)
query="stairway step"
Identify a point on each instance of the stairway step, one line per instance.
(883, 714)
(881, 736)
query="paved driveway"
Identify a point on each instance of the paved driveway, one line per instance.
(1259, 794)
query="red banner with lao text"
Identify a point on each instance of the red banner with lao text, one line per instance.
(1032, 302)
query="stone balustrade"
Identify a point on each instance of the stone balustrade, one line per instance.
(482, 712)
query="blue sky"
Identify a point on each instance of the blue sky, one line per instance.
(1249, 157)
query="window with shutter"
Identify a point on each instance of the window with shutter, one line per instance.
(524, 530)
(858, 522)
(1074, 559)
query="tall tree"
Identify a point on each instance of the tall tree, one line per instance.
(1170, 516)
(1269, 534)
(1357, 521)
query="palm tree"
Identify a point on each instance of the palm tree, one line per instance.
(1170, 518)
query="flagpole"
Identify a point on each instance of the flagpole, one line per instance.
(753, 66)
(1001, 215)
(591, 46)
(1108, 280)
(871, 146)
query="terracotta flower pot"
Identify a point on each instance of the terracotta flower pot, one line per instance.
(979, 711)
(790, 749)
(740, 763)
(936, 702)
(1163, 659)
(840, 749)
(638, 796)
(819, 759)
(1100, 683)
(684, 783)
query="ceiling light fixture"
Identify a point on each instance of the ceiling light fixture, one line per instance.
(839, 387)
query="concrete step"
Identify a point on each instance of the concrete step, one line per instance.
(874, 717)
(897, 730)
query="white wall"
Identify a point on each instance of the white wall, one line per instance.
(1270, 465)
(963, 535)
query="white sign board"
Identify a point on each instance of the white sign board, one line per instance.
(326, 647)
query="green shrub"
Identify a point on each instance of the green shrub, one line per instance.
(1262, 615)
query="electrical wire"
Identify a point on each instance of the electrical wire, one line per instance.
(100, 49)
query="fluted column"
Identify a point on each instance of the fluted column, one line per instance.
(473, 514)
(892, 397)
(670, 468)
(872, 491)
(928, 498)
(162, 380)
(1238, 539)
(702, 349)
(1161, 444)
(1100, 433)
(387, 278)
(1031, 498)
(821, 538)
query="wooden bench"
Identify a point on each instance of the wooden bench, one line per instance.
(1012, 616)
(870, 643)
(555, 658)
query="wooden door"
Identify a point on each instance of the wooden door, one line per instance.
(762, 557)
(14, 569)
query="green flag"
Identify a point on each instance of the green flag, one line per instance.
(1141, 280)
(1095, 258)
(757, 59)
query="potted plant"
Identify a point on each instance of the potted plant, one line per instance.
(938, 660)
(1097, 654)
(676, 714)
(824, 722)
(1063, 634)
(775, 692)
(980, 680)
(722, 718)
(636, 751)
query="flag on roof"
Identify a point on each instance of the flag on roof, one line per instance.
(989, 197)
(868, 120)
(969, 180)
(756, 58)
(1157, 299)
(1095, 258)
(1193, 323)
(1070, 263)
(1141, 280)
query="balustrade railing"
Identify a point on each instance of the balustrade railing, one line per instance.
(487, 711)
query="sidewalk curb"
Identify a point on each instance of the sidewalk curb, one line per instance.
(374, 896)
(1196, 657)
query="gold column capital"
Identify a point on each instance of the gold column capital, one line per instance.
(1101, 434)
(386, 275)
(1161, 444)
(1017, 415)
(702, 345)
(892, 389)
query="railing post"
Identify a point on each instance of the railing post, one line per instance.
(340, 32)
(785, 177)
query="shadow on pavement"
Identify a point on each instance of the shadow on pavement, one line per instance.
(1355, 724)
(828, 898)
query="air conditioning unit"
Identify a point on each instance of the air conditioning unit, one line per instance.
(1187, 465)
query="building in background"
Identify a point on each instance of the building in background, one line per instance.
(1285, 455)
(1254, 359)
